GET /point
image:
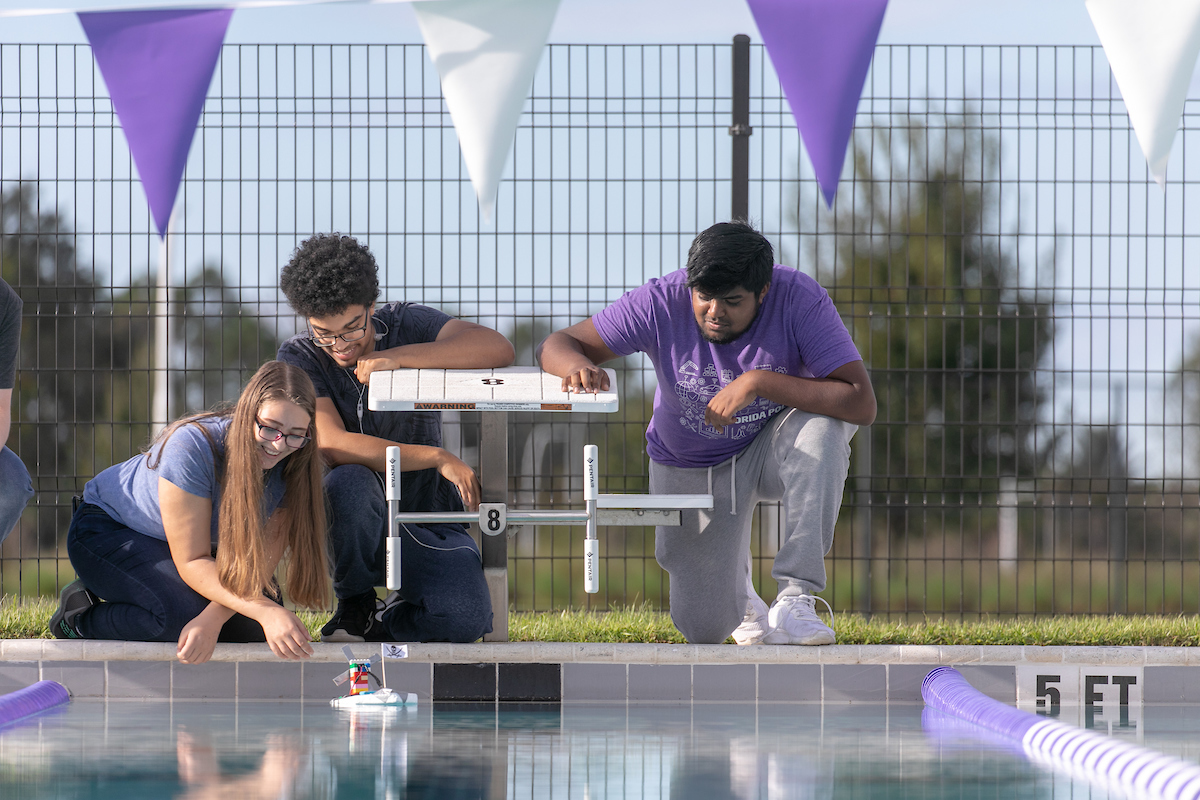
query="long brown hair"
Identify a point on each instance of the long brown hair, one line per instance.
(242, 552)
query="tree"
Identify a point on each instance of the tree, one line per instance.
(929, 284)
(69, 345)
(1182, 396)
(82, 398)
(222, 340)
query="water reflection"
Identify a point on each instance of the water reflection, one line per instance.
(274, 750)
(204, 778)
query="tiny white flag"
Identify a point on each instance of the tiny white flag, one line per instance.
(394, 650)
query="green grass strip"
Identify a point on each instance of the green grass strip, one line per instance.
(28, 618)
(644, 625)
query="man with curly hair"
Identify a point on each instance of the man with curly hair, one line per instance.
(332, 281)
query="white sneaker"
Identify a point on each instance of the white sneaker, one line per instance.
(754, 624)
(794, 620)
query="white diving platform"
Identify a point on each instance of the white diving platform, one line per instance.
(505, 389)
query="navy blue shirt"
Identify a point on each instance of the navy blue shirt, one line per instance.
(396, 324)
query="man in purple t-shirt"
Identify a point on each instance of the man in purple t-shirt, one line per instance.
(760, 389)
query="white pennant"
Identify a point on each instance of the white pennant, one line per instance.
(486, 53)
(1151, 46)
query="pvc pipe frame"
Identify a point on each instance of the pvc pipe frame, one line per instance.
(591, 497)
(392, 493)
(591, 545)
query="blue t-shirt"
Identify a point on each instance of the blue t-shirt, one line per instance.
(396, 324)
(128, 492)
(797, 332)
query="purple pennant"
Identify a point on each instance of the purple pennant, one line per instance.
(821, 50)
(158, 66)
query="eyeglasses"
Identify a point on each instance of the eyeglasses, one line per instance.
(292, 440)
(330, 339)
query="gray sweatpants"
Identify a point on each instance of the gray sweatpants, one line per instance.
(799, 458)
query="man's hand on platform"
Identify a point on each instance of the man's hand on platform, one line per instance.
(591, 379)
(374, 363)
(463, 477)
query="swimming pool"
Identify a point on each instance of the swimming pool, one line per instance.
(261, 749)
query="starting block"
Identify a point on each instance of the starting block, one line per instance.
(493, 393)
(494, 518)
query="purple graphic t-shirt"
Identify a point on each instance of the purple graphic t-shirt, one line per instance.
(797, 332)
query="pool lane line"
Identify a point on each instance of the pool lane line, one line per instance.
(1137, 770)
(33, 699)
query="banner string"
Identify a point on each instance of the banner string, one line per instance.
(189, 5)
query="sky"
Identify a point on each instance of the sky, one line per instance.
(601, 21)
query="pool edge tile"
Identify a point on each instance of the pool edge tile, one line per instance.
(593, 682)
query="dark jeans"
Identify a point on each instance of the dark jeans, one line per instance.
(148, 601)
(441, 574)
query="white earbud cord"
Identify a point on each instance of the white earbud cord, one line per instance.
(442, 549)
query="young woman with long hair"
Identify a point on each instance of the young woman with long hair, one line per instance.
(182, 541)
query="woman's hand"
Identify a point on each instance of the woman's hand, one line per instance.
(286, 634)
(463, 477)
(199, 638)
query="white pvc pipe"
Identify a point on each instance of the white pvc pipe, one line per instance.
(392, 493)
(591, 494)
(591, 565)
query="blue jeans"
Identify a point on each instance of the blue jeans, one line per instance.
(148, 601)
(16, 489)
(441, 573)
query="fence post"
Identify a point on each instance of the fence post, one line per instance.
(740, 130)
(861, 527)
(1118, 500)
(493, 479)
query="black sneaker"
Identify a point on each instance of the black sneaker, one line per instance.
(74, 600)
(355, 620)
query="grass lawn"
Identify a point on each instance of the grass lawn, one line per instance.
(27, 618)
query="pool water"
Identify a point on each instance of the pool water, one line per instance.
(125, 750)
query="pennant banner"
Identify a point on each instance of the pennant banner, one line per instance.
(1151, 46)
(486, 53)
(821, 50)
(158, 66)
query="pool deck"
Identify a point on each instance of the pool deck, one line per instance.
(612, 673)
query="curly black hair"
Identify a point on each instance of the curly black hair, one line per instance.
(327, 274)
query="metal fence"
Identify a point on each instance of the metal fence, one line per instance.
(1013, 278)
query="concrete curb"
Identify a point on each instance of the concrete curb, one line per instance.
(554, 672)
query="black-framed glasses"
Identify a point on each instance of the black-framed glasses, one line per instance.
(330, 339)
(292, 440)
